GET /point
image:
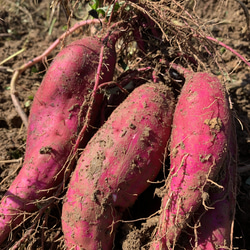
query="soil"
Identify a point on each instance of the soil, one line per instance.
(30, 27)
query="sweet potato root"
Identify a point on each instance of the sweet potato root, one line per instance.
(214, 223)
(54, 121)
(115, 167)
(198, 149)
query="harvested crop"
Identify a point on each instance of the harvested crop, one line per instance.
(57, 114)
(198, 149)
(115, 167)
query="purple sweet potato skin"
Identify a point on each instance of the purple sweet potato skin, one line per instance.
(53, 126)
(115, 167)
(198, 148)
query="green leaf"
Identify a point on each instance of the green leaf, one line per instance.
(222, 50)
(95, 4)
(52, 26)
(101, 11)
(108, 9)
(64, 28)
(34, 69)
(31, 97)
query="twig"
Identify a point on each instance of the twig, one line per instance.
(112, 12)
(230, 49)
(15, 100)
(12, 161)
(6, 69)
(13, 55)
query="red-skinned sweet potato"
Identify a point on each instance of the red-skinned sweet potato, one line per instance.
(198, 148)
(54, 122)
(215, 223)
(115, 167)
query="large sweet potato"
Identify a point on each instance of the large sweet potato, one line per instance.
(54, 122)
(115, 167)
(198, 148)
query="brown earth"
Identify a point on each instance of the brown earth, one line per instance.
(29, 25)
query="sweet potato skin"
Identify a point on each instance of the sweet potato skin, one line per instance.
(198, 148)
(215, 224)
(115, 167)
(53, 125)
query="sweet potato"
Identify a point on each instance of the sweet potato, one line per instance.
(198, 148)
(215, 223)
(115, 167)
(54, 121)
